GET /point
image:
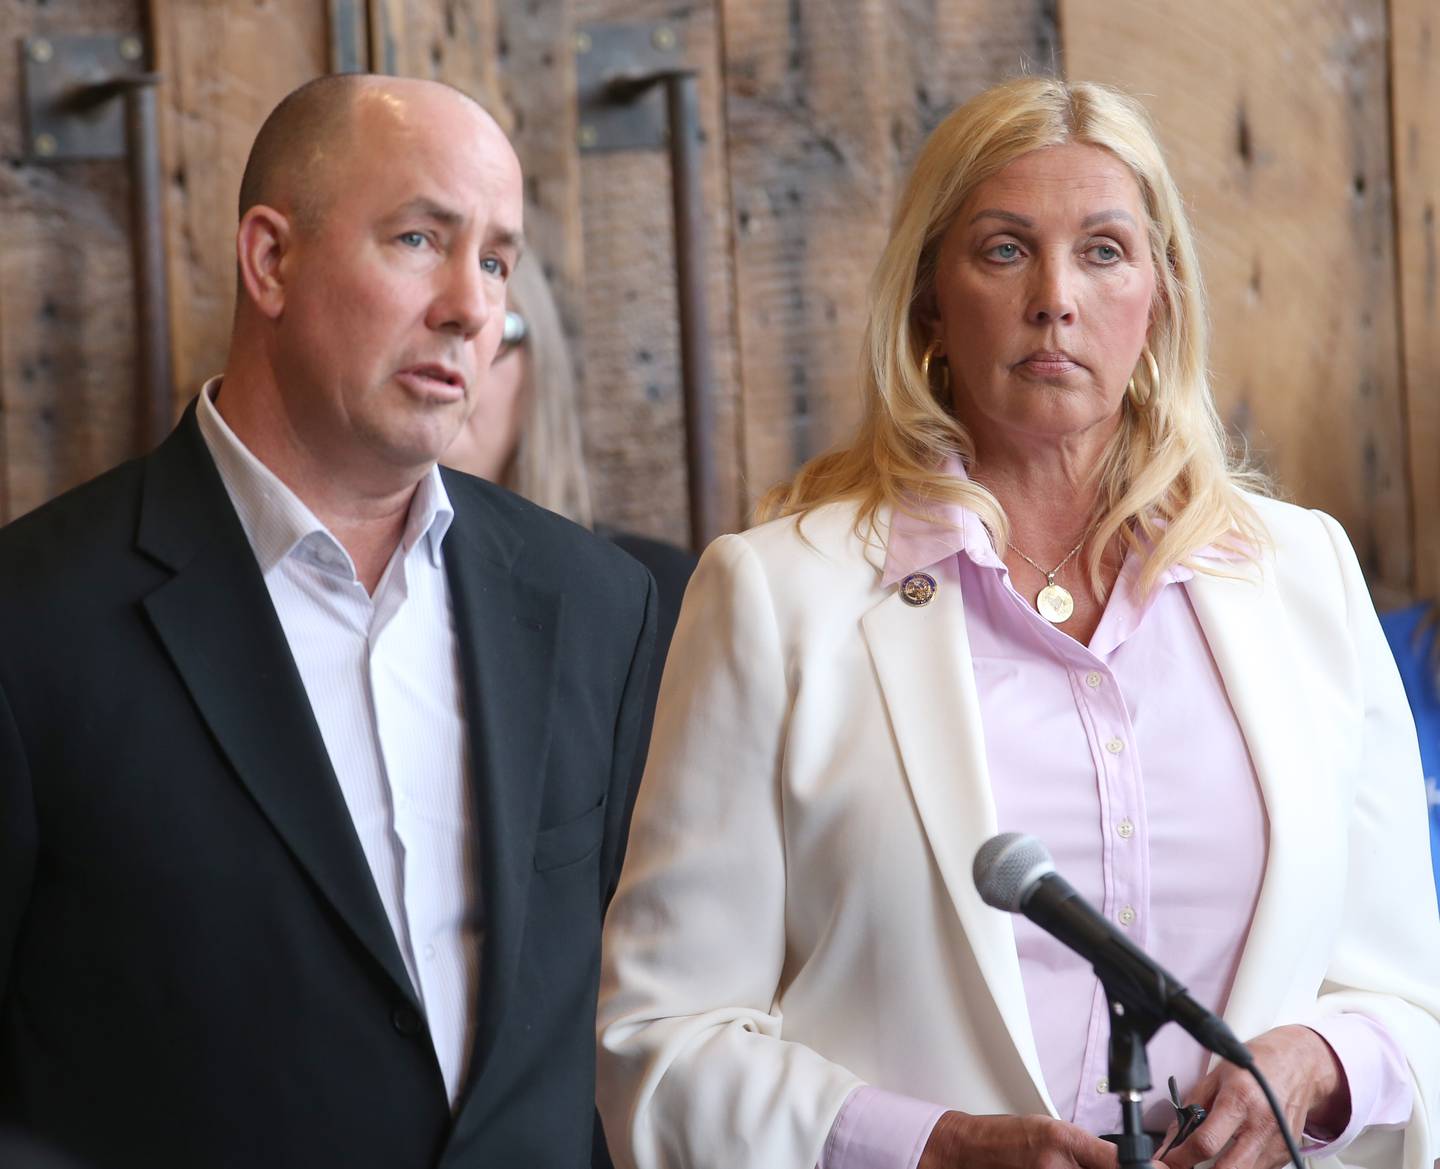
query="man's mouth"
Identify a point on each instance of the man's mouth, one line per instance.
(435, 377)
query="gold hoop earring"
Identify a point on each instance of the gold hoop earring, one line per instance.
(1139, 394)
(932, 351)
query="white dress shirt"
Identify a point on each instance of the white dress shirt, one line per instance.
(383, 678)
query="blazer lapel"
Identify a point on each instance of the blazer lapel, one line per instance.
(922, 660)
(218, 625)
(1248, 631)
(508, 629)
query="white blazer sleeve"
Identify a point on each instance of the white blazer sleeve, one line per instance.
(694, 1070)
(1386, 959)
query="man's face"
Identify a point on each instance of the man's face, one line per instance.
(394, 300)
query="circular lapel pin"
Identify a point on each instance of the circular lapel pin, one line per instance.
(918, 588)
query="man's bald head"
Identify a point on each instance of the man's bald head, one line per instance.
(312, 127)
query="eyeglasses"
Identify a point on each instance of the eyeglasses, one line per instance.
(1189, 1117)
(516, 330)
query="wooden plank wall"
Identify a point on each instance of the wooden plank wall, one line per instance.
(1415, 92)
(633, 418)
(439, 39)
(1283, 155)
(1304, 135)
(67, 351)
(226, 65)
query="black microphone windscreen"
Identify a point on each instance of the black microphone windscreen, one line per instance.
(1007, 866)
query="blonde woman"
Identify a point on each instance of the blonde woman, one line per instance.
(1034, 595)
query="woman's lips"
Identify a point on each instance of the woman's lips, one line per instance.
(1049, 362)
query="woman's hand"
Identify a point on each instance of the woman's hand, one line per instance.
(1240, 1130)
(961, 1141)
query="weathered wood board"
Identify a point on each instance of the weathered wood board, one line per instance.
(1276, 124)
(67, 347)
(1415, 93)
(226, 65)
(631, 384)
(444, 40)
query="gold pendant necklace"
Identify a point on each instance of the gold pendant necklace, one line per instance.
(1054, 601)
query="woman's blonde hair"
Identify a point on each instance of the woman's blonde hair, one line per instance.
(548, 466)
(1168, 486)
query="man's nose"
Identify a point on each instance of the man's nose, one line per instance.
(463, 300)
(1052, 295)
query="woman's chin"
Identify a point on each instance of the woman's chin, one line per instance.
(1043, 423)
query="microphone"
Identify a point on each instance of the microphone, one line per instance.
(1014, 872)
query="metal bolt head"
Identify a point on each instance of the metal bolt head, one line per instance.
(41, 50)
(582, 42)
(588, 136)
(663, 38)
(45, 145)
(131, 48)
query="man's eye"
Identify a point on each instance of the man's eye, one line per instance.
(412, 239)
(493, 265)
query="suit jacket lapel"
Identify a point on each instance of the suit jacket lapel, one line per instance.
(1248, 631)
(507, 628)
(219, 627)
(922, 660)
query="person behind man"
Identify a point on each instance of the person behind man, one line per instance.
(525, 434)
(313, 757)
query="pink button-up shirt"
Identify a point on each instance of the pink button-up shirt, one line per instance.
(1125, 758)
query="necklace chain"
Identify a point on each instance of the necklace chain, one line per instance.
(1049, 576)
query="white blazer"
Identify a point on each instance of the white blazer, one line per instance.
(797, 916)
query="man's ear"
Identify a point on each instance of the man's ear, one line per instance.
(261, 244)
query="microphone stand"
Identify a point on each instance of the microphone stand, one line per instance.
(1130, 1031)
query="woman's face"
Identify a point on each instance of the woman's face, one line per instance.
(1043, 294)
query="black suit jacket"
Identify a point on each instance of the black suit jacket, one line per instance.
(195, 967)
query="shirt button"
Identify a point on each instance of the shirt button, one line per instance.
(1127, 916)
(1093, 680)
(429, 951)
(1125, 829)
(1114, 746)
(1102, 1085)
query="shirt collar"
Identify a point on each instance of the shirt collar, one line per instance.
(430, 516)
(275, 519)
(922, 539)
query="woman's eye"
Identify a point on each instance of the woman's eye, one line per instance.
(1006, 252)
(1105, 253)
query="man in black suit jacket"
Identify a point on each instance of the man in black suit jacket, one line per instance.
(198, 963)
